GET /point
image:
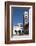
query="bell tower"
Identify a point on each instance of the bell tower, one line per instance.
(26, 22)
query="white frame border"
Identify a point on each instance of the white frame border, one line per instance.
(28, 37)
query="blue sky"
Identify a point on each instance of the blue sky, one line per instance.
(18, 14)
